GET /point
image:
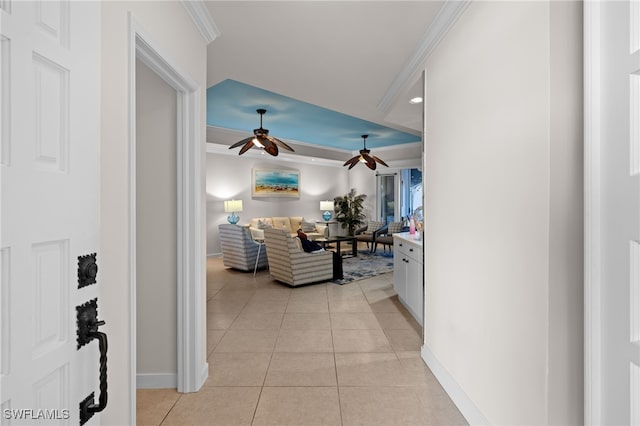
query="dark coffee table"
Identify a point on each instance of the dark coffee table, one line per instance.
(337, 241)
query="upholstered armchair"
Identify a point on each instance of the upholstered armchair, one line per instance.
(239, 249)
(289, 264)
(386, 237)
(369, 232)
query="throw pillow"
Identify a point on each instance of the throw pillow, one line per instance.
(308, 226)
(264, 225)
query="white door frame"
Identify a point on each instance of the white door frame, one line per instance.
(592, 202)
(192, 367)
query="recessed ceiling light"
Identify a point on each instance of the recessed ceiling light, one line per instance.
(416, 100)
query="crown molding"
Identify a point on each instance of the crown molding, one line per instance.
(235, 135)
(441, 24)
(323, 156)
(409, 145)
(239, 134)
(220, 149)
(202, 19)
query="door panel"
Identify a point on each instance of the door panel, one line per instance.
(49, 117)
(620, 214)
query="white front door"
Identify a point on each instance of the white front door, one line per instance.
(620, 213)
(49, 117)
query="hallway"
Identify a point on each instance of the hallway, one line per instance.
(323, 354)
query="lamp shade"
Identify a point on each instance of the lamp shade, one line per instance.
(233, 206)
(326, 205)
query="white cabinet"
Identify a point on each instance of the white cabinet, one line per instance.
(408, 278)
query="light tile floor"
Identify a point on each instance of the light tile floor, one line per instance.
(322, 354)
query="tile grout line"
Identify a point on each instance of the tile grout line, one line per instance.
(170, 409)
(335, 362)
(266, 373)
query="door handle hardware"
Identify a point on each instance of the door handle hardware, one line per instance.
(87, 317)
(85, 414)
(87, 270)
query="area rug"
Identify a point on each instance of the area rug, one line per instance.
(365, 265)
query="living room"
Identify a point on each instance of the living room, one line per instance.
(229, 176)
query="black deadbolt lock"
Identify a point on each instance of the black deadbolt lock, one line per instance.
(87, 270)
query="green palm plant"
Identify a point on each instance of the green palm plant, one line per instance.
(349, 210)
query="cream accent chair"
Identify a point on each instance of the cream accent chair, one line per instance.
(290, 264)
(239, 250)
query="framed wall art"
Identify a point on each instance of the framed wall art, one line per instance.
(275, 183)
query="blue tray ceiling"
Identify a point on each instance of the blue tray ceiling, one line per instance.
(232, 105)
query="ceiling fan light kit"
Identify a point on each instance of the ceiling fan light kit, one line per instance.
(261, 140)
(365, 158)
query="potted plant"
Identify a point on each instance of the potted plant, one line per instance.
(349, 210)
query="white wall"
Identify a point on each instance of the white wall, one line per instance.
(156, 238)
(503, 211)
(229, 176)
(169, 25)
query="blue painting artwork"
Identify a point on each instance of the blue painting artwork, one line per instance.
(276, 183)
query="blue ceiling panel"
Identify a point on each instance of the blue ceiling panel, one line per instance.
(232, 105)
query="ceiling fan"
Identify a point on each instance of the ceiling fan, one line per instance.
(364, 157)
(261, 139)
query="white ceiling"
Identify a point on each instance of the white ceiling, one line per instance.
(339, 55)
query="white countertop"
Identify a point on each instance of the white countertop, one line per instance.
(415, 239)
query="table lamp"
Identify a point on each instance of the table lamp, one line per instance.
(327, 206)
(233, 206)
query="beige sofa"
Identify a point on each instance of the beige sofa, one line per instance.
(289, 264)
(289, 224)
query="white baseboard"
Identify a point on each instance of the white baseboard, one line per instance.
(156, 381)
(468, 409)
(214, 255)
(204, 375)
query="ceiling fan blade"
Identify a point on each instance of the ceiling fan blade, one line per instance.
(351, 161)
(246, 147)
(281, 143)
(379, 160)
(242, 142)
(353, 164)
(370, 161)
(271, 148)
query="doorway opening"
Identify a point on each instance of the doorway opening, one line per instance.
(192, 368)
(399, 195)
(156, 233)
